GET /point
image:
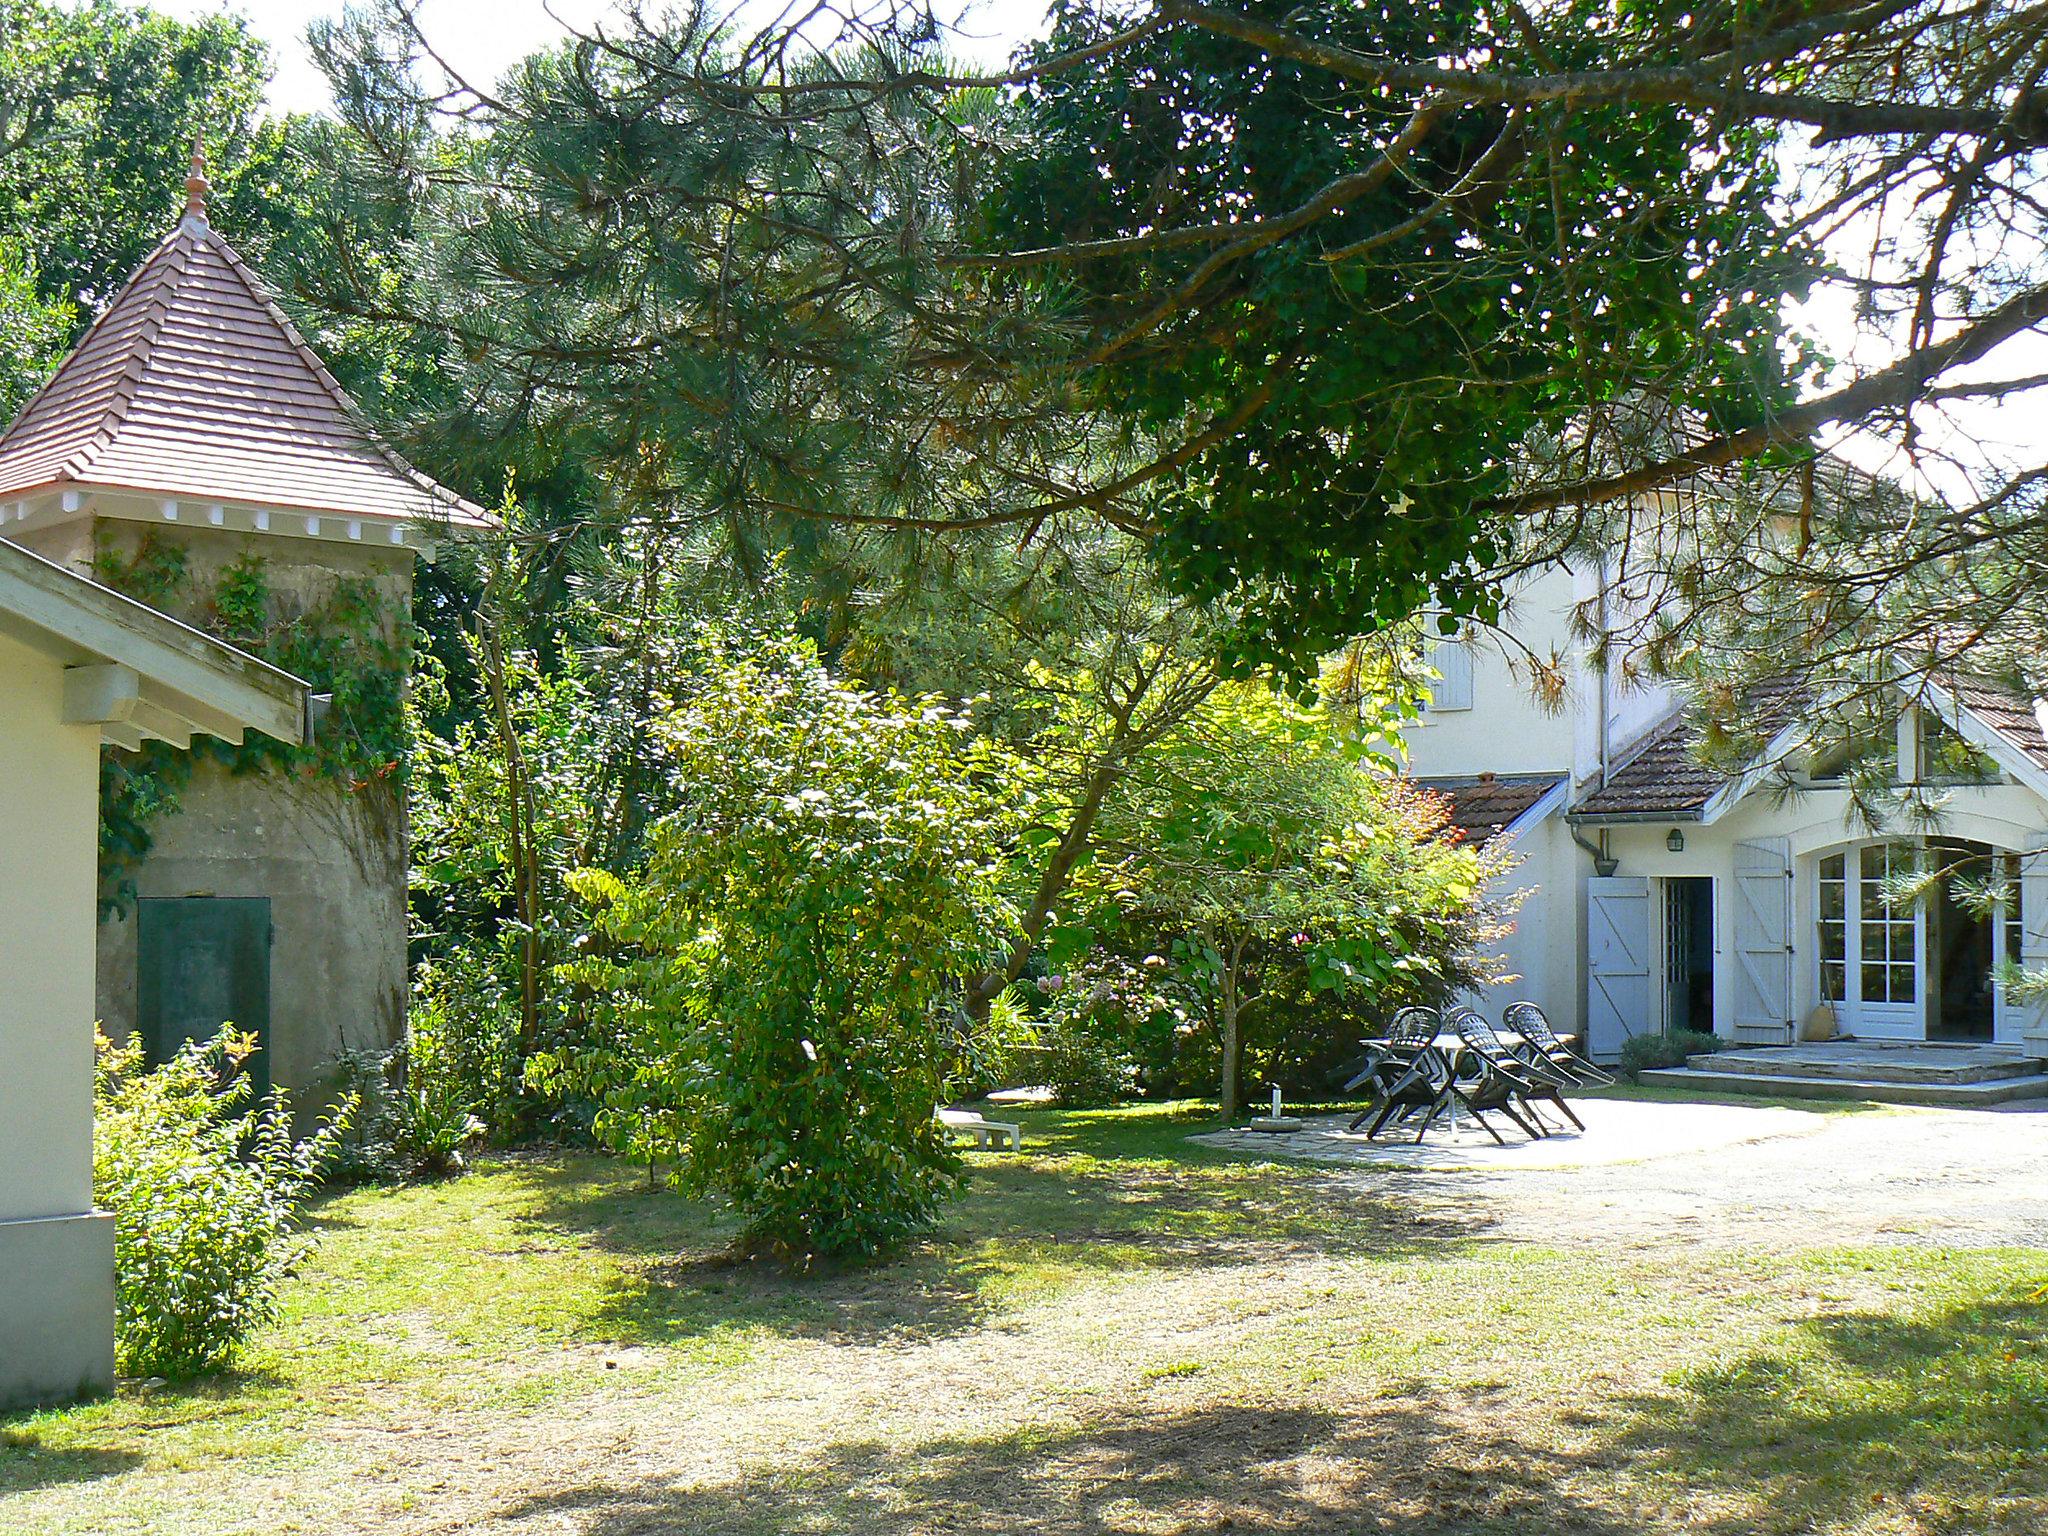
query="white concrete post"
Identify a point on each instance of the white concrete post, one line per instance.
(56, 1252)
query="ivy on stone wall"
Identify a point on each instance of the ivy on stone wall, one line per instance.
(350, 644)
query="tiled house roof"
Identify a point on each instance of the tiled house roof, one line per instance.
(2015, 717)
(195, 384)
(1664, 776)
(1485, 807)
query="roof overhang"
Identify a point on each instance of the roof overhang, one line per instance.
(1967, 723)
(1553, 799)
(1634, 818)
(1980, 733)
(136, 673)
(55, 505)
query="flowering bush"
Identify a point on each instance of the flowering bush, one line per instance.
(770, 995)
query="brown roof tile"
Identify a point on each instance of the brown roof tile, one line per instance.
(1665, 776)
(1483, 808)
(195, 384)
(2010, 713)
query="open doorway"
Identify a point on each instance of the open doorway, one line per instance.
(1962, 951)
(1689, 954)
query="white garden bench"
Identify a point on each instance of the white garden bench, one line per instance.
(986, 1133)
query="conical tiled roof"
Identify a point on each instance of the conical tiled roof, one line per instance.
(193, 384)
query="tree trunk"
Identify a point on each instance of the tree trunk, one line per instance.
(1228, 1019)
(522, 852)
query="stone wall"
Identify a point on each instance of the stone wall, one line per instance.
(330, 856)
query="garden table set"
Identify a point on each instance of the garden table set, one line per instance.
(1432, 1064)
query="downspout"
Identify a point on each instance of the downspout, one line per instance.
(1600, 730)
(1604, 863)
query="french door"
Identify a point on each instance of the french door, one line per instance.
(1871, 965)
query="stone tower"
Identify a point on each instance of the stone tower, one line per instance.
(193, 418)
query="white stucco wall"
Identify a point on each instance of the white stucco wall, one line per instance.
(1508, 730)
(56, 1257)
(1543, 951)
(49, 810)
(1511, 729)
(2005, 816)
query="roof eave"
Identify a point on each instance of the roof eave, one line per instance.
(195, 683)
(1596, 818)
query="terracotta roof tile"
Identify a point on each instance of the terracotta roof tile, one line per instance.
(195, 384)
(1483, 808)
(1664, 775)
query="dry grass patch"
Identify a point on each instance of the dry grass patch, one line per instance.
(1115, 1334)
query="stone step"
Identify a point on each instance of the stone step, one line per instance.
(1881, 1091)
(1922, 1066)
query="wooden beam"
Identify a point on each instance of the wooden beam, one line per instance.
(102, 694)
(85, 624)
(164, 724)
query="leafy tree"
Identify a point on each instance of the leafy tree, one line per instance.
(1253, 847)
(102, 103)
(771, 991)
(32, 331)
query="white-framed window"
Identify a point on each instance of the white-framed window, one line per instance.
(1889, 942)
(1869, 947)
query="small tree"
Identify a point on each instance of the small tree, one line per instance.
(1256, 843)
(771, 993)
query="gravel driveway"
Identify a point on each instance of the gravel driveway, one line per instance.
(1970, 1178)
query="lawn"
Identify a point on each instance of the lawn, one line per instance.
(1118, 1332)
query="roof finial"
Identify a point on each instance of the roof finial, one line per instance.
(195, 185)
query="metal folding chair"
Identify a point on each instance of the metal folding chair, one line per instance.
(1540, 1043)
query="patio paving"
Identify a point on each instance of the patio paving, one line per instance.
(1617, 1131)
(1670, 1176)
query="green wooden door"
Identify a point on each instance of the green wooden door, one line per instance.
(203, 961)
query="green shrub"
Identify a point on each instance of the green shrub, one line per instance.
(204, 1188)
(1647, 1053)
(991, 1053)
(463, 1037)
(1084, 1068)
(1096, 1019)
(769, 995)
(433, 1119)
(363, 1154)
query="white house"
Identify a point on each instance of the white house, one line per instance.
(1663, 893)
(79, 666)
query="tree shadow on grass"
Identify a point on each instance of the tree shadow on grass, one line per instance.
(1389, 1468)
(1025, 1223)
(27, 1465)
(1930, 1425)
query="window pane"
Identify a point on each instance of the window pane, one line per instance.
(1902, 983)
(1832, 939)
(1832, 867)
(1873, 864)
(1874, 988)
(1873, 942)
(1833, 981)
(1833, 900)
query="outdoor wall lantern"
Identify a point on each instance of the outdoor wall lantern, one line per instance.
(1675, 840)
